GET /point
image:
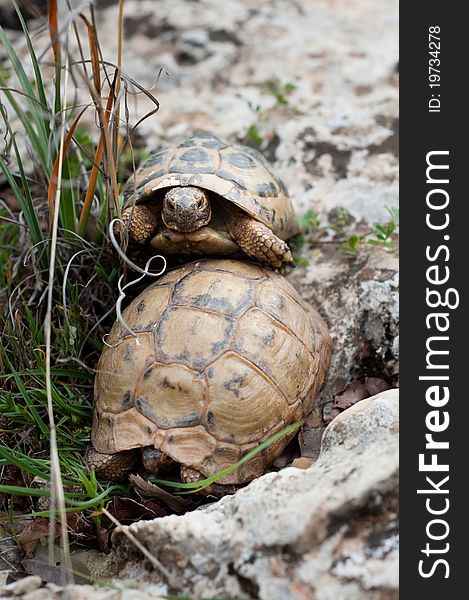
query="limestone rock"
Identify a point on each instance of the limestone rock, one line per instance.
(359, 300)
(26, 585)
(131, 590)
(329, 531)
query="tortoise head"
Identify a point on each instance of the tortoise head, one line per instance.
(186, 209)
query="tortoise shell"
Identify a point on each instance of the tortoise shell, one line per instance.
(221, 355)
(239, 174)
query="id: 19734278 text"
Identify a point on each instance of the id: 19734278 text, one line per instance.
(434, 74)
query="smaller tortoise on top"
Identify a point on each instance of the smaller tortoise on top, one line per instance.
(208, 197)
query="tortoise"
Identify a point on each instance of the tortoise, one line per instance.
(207, 196)
(214, 358)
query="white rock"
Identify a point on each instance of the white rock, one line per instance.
(360, 303)
(329, 530)
(25, 585)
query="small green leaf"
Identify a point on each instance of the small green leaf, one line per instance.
(354, 241)
(342, 217)
(393, 212)
(253, 134)
(381, 244)
(298, 241)
(256, 108)
(309, 219)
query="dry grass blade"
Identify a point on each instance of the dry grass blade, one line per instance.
(110, 156)
(116, 120)
(120, 35)
(85, 213)
(54, 28)
(128, 81)
(88, 201)
(48, 396)
(150, 490)
(93, 40)
(154, 561)
(57, 491)
(55, 169)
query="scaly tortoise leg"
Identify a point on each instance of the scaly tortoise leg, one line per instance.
(111, 467)
(155, 461)
(142, 222)
(190, 475)
(257, 240)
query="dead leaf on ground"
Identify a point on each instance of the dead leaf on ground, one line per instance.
(31, 535)
(310, 442)
(129, 511)
(146, 489)
(80, 527)
(50, 573)
(103, 537)
(11, 475)
(353, 393)
(376, 385)
(356, 390)
(126, 511)
(302, 463)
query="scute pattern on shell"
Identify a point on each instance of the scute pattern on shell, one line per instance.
(238, 173)
(223, 354)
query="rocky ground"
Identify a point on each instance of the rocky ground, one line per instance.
(322, 533)
(314, 84)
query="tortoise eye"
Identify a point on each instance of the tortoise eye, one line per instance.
(200, 203)
(170, 204)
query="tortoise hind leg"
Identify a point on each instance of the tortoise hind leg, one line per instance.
(155, 461)
(111, 467)
(257, 240)
(190, 475)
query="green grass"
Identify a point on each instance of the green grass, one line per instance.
(280, 90)
(257, 132)
(343, 233)
(84, 270)
(381, 235)
(24, 424)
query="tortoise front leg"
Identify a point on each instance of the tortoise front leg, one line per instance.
(257, 240)
(142, 222)
(111, 467)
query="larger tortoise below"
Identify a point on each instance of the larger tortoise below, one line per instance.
(206, 197)
(215, 358)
